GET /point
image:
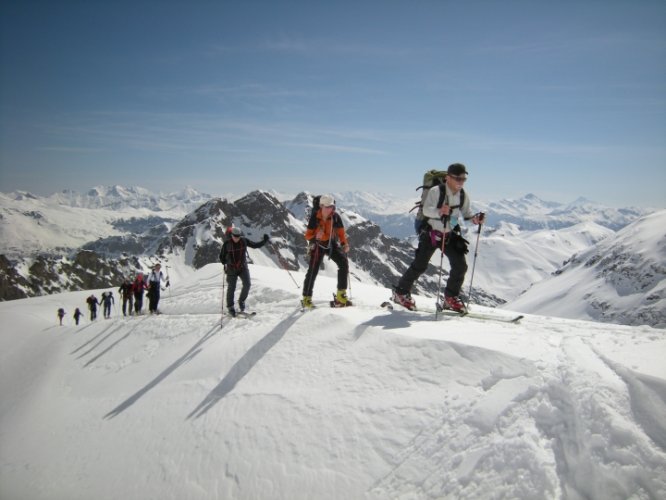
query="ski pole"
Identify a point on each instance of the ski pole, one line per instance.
(224, 279)
(441, 265)
(476, 253)
(349, 276)
(284, 266)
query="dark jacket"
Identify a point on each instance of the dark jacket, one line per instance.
(233, 255)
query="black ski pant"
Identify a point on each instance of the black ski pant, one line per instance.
(138, 302)
(424, 253)
(316, 256)
(232, 279)
(153, 296)
(93, 313)
(107, 310)
(128, 299)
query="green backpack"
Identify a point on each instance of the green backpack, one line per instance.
(430, 179)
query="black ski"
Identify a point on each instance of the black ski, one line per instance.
(445, 312)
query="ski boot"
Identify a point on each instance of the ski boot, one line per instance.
(340, 299)
(306, 303)
(451, 303)
(232, 311)
(404, 299)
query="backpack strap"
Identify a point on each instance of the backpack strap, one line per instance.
(442, 195)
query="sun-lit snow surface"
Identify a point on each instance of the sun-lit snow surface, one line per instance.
(357, 403)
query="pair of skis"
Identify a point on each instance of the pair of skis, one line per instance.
(448, 312)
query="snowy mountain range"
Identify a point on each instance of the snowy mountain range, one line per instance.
(621, 279)
(71, 241)
(354, 403)
(528, 213)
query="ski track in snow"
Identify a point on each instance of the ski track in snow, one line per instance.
(327, 404)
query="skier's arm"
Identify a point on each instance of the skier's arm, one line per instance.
(466, 209)
(257, 244)
(476, 218)
(223, 254)
(342, 237)
(311, 233)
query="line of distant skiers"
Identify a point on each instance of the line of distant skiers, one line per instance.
(131, 293)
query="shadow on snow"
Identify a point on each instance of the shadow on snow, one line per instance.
(243, 366)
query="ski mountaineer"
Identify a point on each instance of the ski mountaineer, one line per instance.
(155, 279)
(233, 256)
(93, 302)
(107, 301)
(125, 292)
(77, 315)
(138, 287)
(442, 232)
(326, 235)
(61, 315)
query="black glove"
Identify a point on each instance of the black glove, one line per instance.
(266, 238)
(167, 284)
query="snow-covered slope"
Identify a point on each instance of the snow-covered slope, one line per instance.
(622, 279)
(354, 403)
(509, 260)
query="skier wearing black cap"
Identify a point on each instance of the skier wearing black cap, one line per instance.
(442, 232)
(233, 257)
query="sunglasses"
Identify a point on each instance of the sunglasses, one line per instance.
(458, 178)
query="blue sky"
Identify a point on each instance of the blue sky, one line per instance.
(560, 99)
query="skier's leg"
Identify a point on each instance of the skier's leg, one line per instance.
(457, 273)
(315, 260)
(424, 253)
(232, 278)
(343, 267)
(245, 290)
